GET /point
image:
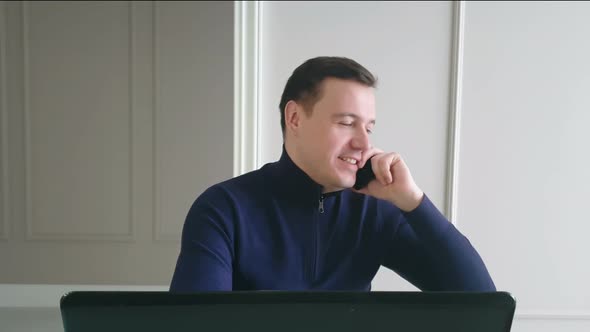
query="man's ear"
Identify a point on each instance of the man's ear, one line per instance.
(293, 117)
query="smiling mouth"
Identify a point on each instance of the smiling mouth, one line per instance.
(348, 160)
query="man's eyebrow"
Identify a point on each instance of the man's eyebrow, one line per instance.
(352, 115)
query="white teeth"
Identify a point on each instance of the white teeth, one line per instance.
(349, 160)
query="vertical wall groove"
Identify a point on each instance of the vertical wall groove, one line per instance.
(454, 129)
(258, 58)
(26, 127)
(4, 195)
(246, 86)
(155, 121)
(131, 62)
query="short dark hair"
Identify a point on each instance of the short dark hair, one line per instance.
(304, 84)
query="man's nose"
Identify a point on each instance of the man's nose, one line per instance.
(361, 140)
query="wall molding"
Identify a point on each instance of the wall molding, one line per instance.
(4, 195)
(157, 235)
(247, 20)
(130, 235)
(455, 95)
(31, 233)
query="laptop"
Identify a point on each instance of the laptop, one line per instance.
(278, 311)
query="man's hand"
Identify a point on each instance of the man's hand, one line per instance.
(393, 181)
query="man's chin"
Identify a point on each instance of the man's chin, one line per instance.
(346, 183)
(337, 186)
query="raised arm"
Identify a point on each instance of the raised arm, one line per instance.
(433, 255)
(423, 246)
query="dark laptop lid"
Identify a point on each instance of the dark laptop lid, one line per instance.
(287, 311)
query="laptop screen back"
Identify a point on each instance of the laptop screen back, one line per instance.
(287, 311)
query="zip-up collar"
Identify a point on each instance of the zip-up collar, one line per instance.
(293, 181)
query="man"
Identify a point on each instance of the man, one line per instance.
(296, 224)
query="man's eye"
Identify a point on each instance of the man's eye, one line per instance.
(346, 124)
(369, 131)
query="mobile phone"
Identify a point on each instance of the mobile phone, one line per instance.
(364, 176)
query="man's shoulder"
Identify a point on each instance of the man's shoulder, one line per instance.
(248, 182)
(247, 185)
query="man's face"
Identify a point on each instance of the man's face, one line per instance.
(332, 139)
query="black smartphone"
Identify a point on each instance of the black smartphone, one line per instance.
(364, 176)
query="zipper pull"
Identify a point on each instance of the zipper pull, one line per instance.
(321, 206)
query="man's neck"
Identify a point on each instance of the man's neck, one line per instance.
(294, 156)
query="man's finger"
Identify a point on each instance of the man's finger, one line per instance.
(381, 169)
(387, 169)
(367, 155)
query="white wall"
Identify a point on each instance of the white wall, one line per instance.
(522, 169)
(524, 181)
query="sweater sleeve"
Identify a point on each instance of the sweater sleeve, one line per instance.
(429, 252)
(206, 251)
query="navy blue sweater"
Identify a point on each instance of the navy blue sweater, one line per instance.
(265, 230)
